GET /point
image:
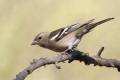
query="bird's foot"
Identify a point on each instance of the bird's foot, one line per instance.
(69, 51)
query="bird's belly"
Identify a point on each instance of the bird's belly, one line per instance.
(57, 48)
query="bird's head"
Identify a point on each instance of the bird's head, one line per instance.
(38, 39)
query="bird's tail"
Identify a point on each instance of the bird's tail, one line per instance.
(92, 25)
(86, 28)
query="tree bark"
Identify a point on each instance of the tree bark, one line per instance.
(97, 60)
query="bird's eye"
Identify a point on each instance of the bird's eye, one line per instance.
(40, 38)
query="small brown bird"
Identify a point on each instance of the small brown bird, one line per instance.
(66, 38)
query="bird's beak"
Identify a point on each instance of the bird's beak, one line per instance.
(34, 43)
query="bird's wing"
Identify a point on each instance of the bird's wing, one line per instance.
(60, 33)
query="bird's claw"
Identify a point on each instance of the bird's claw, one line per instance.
(69, 50)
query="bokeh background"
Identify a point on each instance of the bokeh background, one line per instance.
(21, 20)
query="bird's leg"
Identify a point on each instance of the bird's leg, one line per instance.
(70, 49)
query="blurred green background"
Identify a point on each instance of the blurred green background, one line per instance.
(21, 20)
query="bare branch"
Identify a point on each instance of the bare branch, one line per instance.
(75, 55)
(100, 51)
